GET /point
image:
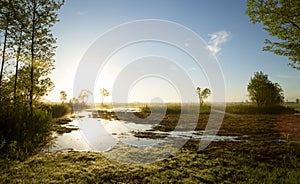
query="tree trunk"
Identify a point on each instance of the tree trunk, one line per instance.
(3, 53)
(17, 65)
(32, 59)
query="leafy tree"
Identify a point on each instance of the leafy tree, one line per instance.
(281, 18)
(43, 84)
(63, 96)
(203, 94)
(19, 37)
(42, 16)
(297, 100)
(104, 92)
(263, 92)
(6, 20)
(26, 39)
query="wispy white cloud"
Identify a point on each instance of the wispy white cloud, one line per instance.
(216, 40)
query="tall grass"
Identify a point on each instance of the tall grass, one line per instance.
(22, 132)
(59, 110)
(248, 108)
(235, 108)
(177, 108)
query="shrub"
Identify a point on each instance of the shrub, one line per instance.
(23, 133)
(59, 110)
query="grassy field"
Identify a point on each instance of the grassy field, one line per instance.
(226, 162)
(267, 151)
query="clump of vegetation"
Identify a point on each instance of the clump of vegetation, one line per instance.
(59, 110)
(263, 92)
(61, 129)
(150, 135)
(23, 132)
(249, 108)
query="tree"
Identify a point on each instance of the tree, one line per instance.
(84, 96)
(263, 92)
(6, 20)
(42, 15)
(63, 96)
(281, 18)
(26, 41)
(19, 36)
(43, 84)
(203, 94)
(297, 100)
(104, 92)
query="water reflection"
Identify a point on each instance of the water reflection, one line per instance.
(95, 134)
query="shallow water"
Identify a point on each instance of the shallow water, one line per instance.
(96, 134)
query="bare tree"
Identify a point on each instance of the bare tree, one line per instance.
(84, 96)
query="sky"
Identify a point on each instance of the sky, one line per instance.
(229, 37)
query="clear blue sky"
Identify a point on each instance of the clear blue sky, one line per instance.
(239, 51)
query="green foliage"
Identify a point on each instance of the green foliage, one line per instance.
(203, 94)
(244, 108)
(145, 109)
(22, 133)
(59, 110)
(28, 46)
(280, 18)
(263, 92)
(63, 96)
(292, 105)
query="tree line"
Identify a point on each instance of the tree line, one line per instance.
(27, 50)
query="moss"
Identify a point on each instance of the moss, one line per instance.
(227, 162)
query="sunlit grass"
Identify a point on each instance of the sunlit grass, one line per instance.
(226, 162)
(262, 158)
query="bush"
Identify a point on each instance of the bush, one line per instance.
(23, 133)
(59, 110)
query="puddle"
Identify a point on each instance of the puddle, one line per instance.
(96, 134)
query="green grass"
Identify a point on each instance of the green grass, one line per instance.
(219, 163)
(260, 159)
(235, 108)
(176, 108)
(249, 108)
(59, 110)
(292, 105)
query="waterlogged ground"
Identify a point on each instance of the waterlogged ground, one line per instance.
(266, 150)
(90, 133)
